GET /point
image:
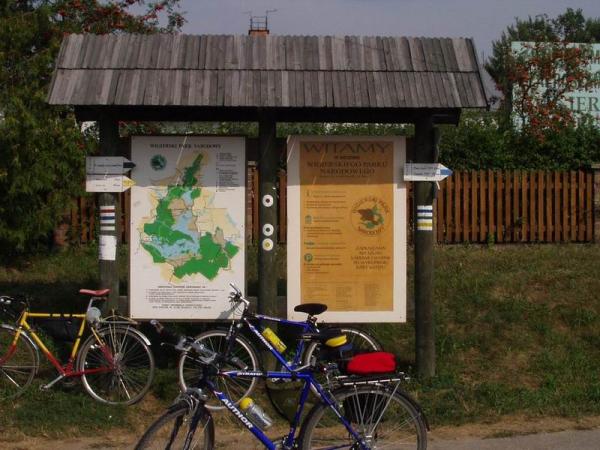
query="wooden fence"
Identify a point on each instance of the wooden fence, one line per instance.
(477, 206)
(515, 206)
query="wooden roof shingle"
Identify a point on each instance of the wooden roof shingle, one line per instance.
(267, 71)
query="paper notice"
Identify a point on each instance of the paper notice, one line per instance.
(108, 247)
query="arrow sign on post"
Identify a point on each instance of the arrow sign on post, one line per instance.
(425, 172)
(107, 183)
(107, 165)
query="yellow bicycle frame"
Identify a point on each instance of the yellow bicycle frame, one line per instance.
(67, 369)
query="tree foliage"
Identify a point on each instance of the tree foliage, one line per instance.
(42, 148)
(543, 73)
(571, 26)
(481, 142)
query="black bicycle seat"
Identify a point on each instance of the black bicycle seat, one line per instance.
(312, 309)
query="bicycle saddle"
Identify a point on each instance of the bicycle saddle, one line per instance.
(98, 293)
(312, 309)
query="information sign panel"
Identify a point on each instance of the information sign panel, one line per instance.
(187, 238)
(347, 227)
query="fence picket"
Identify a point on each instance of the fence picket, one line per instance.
(580, 207)
(457, 208)
(589, 207)
(565, 206)
(499, 215)
(466, 226)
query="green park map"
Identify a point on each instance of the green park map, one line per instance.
(185, 231)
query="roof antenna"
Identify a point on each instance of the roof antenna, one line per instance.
(259, 25)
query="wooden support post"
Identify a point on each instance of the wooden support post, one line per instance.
(268, 166)
(109, 232)
(596, 201)
(423, 239)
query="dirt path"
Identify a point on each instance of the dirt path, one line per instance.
(228, 437)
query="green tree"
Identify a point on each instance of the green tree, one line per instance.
(42, 148)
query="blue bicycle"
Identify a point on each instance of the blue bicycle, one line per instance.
(353, 412)
(243, 355)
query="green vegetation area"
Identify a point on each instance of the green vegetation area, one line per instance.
(517, 333)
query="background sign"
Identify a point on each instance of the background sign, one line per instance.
(347, 227)
(187, 239)
(580, 102)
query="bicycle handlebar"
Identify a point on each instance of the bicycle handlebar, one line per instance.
(236, 296)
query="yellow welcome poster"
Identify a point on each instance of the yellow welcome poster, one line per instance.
(347, 227)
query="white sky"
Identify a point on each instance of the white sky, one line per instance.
(484, 20)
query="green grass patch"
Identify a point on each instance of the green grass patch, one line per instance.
(517, 332)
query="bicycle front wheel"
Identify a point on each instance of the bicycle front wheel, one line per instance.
(242, 356)
(176, 430)
(382, 418)
(118, 368)
(19, 363)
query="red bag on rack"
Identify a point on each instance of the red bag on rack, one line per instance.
(372, 363)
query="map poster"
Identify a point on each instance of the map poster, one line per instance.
(347, 227)
(188, 212)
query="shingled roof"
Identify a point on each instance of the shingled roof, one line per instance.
(267, 71)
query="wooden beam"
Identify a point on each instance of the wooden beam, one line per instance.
(424, 193)
(109, 234)
(251, 114)
(268, 165)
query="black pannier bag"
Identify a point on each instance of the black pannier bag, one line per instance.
(61, 329)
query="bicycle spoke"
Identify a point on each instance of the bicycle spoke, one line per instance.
(10, 378)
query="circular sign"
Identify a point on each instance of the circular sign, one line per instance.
(267, 245)
(268, 229)
(267, 200)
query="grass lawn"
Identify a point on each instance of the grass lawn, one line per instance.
(517, 333)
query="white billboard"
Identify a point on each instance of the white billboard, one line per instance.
(187, 233)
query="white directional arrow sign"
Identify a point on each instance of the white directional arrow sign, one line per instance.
(107, 183)
(107, 165)
(425, 172)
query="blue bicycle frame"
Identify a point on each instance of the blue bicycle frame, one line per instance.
(308, 379)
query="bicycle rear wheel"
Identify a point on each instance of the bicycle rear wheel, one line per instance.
(121, 370)
(18, 363)
(175, 430)
(383, 418)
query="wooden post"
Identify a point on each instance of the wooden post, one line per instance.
(268, 166)
(109, 232)
(423, 239)
(596, 201)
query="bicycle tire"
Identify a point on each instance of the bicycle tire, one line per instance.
(17, 370)
(365, 407)
(128, 382)
(167, 431)
(188, 369)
